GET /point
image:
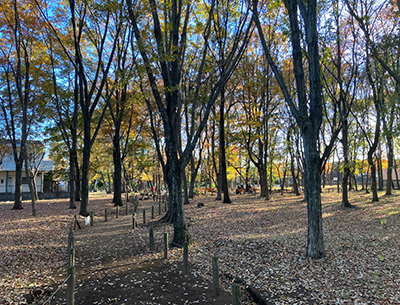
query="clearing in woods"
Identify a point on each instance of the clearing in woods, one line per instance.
(259, 243)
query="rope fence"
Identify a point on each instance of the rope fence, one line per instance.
(158, 199)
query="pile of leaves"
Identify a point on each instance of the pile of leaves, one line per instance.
(259, 243)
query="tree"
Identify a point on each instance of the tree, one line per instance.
(95, 29)
(21, 95)
(308, 110)
(66, 116)
(164, 64)
(340, 83)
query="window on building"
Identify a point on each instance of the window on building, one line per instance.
(2, 181)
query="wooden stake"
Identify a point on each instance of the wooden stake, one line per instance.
(151, 238)
(236, 294)
(215, 270)
(134, 223)
(185, 258)
(165, 245)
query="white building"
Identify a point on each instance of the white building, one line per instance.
(7, 173)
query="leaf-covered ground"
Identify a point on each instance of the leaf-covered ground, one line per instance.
(261, 243)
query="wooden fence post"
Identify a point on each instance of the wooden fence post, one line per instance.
(71, 277)
(134, 223)
(165, 245)
(159, 208)
(215, 271)
(105, 215)
(70, 239)
(91, 218)
(236, 294)
(144, 216)
(127, 208)
(152, 212)
(117, 212)
(185, 258)
(151, 238)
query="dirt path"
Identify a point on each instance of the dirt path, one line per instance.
(115, 266)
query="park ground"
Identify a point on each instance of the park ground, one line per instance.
(260, 244)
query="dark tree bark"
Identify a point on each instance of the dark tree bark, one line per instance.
(222, 151)
(380, 168)
(308, 112)
(217, 169)
(194, 169)
(292, 158)
(396, 173)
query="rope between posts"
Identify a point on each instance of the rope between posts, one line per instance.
(52, 296)
(239, 300)
(227, 282)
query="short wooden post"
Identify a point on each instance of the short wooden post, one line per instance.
(144, 216)
(75, 221)
(70, 239)
(105, 215)
(185, 258)
(71, 277)
(117, 211)
(165, 245)
(91, 218)
(215, 271)
(151, 238)
(134, 223)
(152, 212)
(235, 294)
(127, 208)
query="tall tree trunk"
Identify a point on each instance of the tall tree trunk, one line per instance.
(117, 168)
(217, 169)
(380, 170)
(315, 241)
(181, 233)
(222, 151)
(292, 169)
(18, 186)
(262, 172)
(31, 189)
(396, 173)
(193, 173)
(84, 209)
(72, 204)
(389, 180)
(346, 166)
(185, 187)
(77, 179)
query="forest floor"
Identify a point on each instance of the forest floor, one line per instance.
(259, 243)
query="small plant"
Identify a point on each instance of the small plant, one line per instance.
(383, 221)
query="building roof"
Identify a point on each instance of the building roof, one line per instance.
(9, 165)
